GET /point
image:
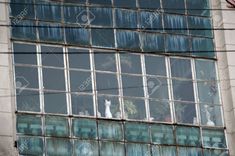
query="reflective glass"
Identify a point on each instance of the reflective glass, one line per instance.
(29, 124)
(177, 44)
(130, 63)
(155, 65)
(188, 136)
(52, 56)
(55, 102)
(112, 149)
(82, 105)
(178, 7)
(80, 81)
(106, 83)
(126, 18)
(159, 111)
(22, 8)
(211, 115)
(203, 47)
(152, 42)
(102, 16)
(214, 138)
(149, 4)
(132, 86)
(56, 126)
(24, 30)
(103, 2)
(163, 151)
(125, 3)
(190, 151)
(128, 40)
(151, 21)
(175, 24)
(86, 148)
(134, 109)
(183, 90)
(157, 88)
(205, 70)
(79, 58)
(30, 146)
(186, 113)
(162, 134)
(199, 7)
(59, 147)
(181, 68)
(53, 79)
(51, 32)
(73, 14)
(77, 36)
(213, 152)
(105, 61)
(102, 37)
(138, 150)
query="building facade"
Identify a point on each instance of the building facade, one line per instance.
(117, 78)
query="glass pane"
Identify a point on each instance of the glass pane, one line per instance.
(137, 132)
(183, 90)
(79, 58)
(178, 7)
(51, 32)
(198, 7)
(80, 81)
(29, 124)
(152, 42)
(24, 30)
(203, 47)
(213, 152)
(52, 56)
(102, 16)
(175, 24)
(59, 147)
(186, 113)
(138, 150)
(211, 115)
(30, 146)
(149, 4)
(177, 44)
(49, 11)
(103, 2)
(21, 56)
(112, 149)
(151, 20)
(181, 68)
(84, 128)
(126, 18)
(128, 40)
(189, 151)
(130, 63)
(75, 1)
(109, 86)
(56, 126)
(125, 3)
(49, 81)
(82, 105)
(155, 65)
(26, 77)
(86, 148)
(205, 70)
(77, 36)
(132, 86)
(73, 14)
(163, 151)
(108, 107)
(157, 87)
(105, 61)
(134, 109)
(110, 130)
(188, 136)
(22, 8)
(27, 100)
(102, 37)
(214, 138)
(55, 102)
(162, 134)
(159, 111)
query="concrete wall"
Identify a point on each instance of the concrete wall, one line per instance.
(225, 41)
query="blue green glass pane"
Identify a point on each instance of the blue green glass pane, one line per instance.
(125, 3)
(213, 152)
(102, 37)
(22, 9)
(198, 7)
(51, 32)
(149, 4)
(130, 63)
(78, 36)
(205, 70)
(27, 100)
(152, 43)
(102, 16)
(174, 6)
(84, 128)
(203, 47)
(109, 86)
(157, 88)
(79, 58)
(138, 150)
(82, 105)
(181, 68)
(163, 151)
(75, 1)
(105, 61)
(74, 14)
(29, 124)
(162, 134)
(151, 21)
(110, 130)
(132, 86)
(126, 18)
(155, 65)
(177, 44)
(52, 56)
(211, 115)
(134, 109)
(214, 138)
(80, 81)
(137, 132)
(86, 148)
(183, 90)
(56, 126)
(24, 30)
(112, 148)
(49, 80)
(99, 2)
(185, 113)
(189, 136)
(30, 146)
(59, 147)
(175, 24)
(55, 102)
(189, 151)
(159, 111)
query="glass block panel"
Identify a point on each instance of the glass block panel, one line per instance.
(56, 126)
(84, 128)
(199, 7)
(162, 134)
(74, 14)
(155, 65)
(200, 24)
(159, 111)
(163, 151)
(26, 77)
(214, 138)
(24, 30)
(178, 7)
(52, 56)
(128, 40)
(30, 146)
(86, 148)
(205, 70)
(138, 150)
(132, 86)
(149, 4)
(49, 80)
(29, 124)
(49, 11)
(51, 32)
(134, 109)
(109, 107)
(27, 100)
(175, 24)
(21, 56)
(189, 151)
(112, 148)
(99, 2)
(102, 16)
(22, 9)
(105, 61)
(80, 81)
(125, 3)
(78, 36)
(79, 58)
(59, 147)
(130, 63)
(152, 42)
(188, 136)
(55, 102)
(183, 90)
(109, 86)
(177, 44)
(151, 20)
(203, 47)
(181, 68)
(102, 37)
(211, 115)
(157, 87)
(82, 105)
(213, 152)
(126, 18)
(110, 130)
(186, 113)
(137, 132)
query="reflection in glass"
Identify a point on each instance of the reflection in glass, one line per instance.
(30, 146)
(125, 3)
(105, 61)
(59, 147)
(79, 58)
(155, 65)
(53, 79)
(24, 30)
(73, 14)
(111, 148)
(51, 32)
(106, 83)
(157, 88)
(138, 150)
(188, 136)
(130, 63)
(56, 126)
(152, 42)
(80, 81)
(55, 102)
(82, 105)
(52, 56)
(149, 4)
(128, 40)
(185, 113)
(49, 11)
(159, 111)
(77, 36)
(126, 18)
(175, 24)
(134, 109)
(190, 151)
(205, 70)
(163, 151)
(86, 148)
(167, 5)
(162, 134)
(102, 16)
(203, 47)
(29, 124)
(211, 115)
(110, 130)
(198, 7)
(214, 138)
(132, 85)
(181, 68)
(22, 7)
(99, 2)
(183, 90)
(177, 44)
(214, 152)
(102, 37)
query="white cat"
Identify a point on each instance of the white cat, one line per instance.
(108, 113)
